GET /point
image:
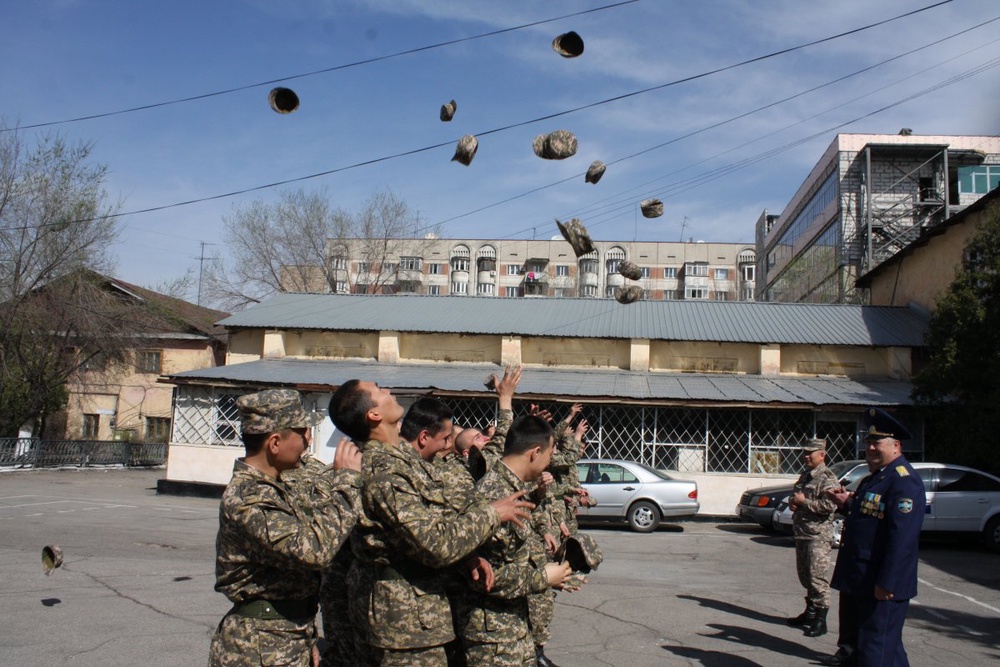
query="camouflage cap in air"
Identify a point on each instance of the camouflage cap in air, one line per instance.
(283, 100)
(557, 145)
(576, 234)
(815, 445)
(581, 551)
(595, 171)
(568, 45)
(651, 208)
(465, 150)
(52, 558)
(630, 294)
(630, 270)
(448, 110)
(274, 410)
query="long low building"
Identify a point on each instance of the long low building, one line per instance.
(698, 387)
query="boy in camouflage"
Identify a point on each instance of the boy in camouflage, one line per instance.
(494, 623)
(271, 546)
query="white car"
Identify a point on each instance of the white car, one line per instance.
(959, 500)
(632, 492)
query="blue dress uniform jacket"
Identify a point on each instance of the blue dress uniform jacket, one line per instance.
(881, 534)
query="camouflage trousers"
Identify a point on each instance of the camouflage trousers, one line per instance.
(541, 608)
(417, 657)
(812, 562)
(514, 653)
(249, 642)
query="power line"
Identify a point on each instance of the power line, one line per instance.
(325, 70)
(424, 149)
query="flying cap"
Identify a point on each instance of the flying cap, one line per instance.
(651, 208)
(630, 294)
(568, 45)
(557, 145)
(595, 171)
(630, 270)
(466, 150)
(576, 234)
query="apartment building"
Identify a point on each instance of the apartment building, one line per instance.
(534, 268)
(868, 197)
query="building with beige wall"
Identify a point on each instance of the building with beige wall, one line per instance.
(529, 268)
(922, 271)
(867, 198)
(700, 387)
(126, 401)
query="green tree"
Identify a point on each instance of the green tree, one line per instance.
(56, 229)
(960, 385)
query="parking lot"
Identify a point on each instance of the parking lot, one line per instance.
(136, 587)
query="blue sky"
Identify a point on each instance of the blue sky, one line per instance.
(69, 58)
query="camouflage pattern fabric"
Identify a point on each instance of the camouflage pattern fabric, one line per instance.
(812, 564)
(541, 610)
(813, 520)
(481, 461)
(272, 545)
(517, 555)
(274, 410)
(409, 532)
(452, 472)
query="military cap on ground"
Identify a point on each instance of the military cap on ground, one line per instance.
(815, 445)
(274, 410)
(581, 551)
(878, 424)
(52, 557)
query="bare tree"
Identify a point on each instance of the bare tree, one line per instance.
(56, 230)
(290, 246)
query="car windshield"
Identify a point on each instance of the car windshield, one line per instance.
(659, 473)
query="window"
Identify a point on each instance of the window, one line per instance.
(389, 268)
(340, 287)
(361, 288)
(609, 291)
(459, 263)
(536, 268)
(460, 288)
(691, 269)
(588, 290)
(588, 266)
(720, 296)
(748, 294)
(157, 429)
(645, 271)
(94, 362)
(670, 294)
(338, 263)
(227, 418)
(560, 291)
(485, 289)
(513, 269)
(562, 270)
(406, 287)
(953, 479)
(91, 426)
(670, 272)
(749, 272)
(510, 291)
(149, 361)
(605, 473)
(695, 293)
(434, 289)
(434, 268)
(978, 180)
(486, 264)
(721, 274)
(613, 264)
(410, 263)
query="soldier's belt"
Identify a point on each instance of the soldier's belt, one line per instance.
(277, 610)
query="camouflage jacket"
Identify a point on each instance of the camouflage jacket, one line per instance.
(271, 546)
(410, 531)
(481, 461)
(517, 555)
(452, 471)
(813, 520)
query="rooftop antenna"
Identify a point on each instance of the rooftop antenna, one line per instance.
(201, 265)
(683, 225)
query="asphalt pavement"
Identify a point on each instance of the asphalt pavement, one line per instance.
(136, 587)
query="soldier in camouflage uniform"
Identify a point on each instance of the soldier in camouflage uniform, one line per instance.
(812, 525)
(271, 543)
(494, 624)
(409, 531)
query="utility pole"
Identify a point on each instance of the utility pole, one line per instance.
(201, 266)
(683, 225)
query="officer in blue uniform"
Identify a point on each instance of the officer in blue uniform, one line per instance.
(876, 571)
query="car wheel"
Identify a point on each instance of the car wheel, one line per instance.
(643, 517)
(991, 534)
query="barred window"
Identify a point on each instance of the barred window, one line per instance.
(149, 361)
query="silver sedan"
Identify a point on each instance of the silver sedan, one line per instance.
(632, 492)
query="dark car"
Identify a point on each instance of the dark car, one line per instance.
(759, 504)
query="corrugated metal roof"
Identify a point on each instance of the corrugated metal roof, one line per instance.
(594, 384)
(716, 321)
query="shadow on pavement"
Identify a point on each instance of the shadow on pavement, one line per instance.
(736, 610)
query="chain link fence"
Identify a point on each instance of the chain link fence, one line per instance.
(36, 453)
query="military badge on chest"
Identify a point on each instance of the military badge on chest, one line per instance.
(872, 505)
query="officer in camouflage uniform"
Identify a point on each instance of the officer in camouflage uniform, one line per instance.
(409, 530)
(812, 525)
(494, 623)
(271, 543)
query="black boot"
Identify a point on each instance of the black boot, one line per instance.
(541, 659)
(844, 657)
(805, 618)
(818, 626)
